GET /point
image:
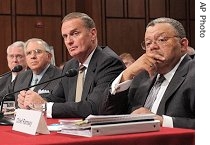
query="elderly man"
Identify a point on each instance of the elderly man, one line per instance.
(81, 95)
(161, 81)
(38, 58)
(15, 57)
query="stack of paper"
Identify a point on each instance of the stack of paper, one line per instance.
(74, 124)
(111, 119)
(95, 125)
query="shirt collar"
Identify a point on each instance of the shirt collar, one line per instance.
(87, 61)
(39, 76)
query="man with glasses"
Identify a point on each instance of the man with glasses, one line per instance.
(138, 89)
(38, 58)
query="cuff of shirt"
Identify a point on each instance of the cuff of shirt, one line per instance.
(167, 121)
(49, 109)
(119, 87)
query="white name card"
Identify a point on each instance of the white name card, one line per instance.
(30, 122)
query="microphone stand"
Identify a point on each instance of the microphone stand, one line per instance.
(5, 74)
(9, 121)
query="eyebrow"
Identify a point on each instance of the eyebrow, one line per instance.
(158, 35)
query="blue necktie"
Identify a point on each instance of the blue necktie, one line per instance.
(34, 82)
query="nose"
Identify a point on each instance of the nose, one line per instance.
(154, 45)
(33, 54)
(69, 40)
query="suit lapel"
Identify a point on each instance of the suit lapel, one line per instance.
(8, 80)
(172, 87)
(176, 81)
(24, 82)
(88, 81)
(89, 78)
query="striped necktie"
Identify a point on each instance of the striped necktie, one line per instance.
(153, 92)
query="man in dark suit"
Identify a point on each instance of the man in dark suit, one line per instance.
(135, 90)
(101, 65)
(15, 56)
(38, 58)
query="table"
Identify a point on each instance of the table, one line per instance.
(166, 136)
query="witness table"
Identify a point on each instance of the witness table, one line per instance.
(166, 136)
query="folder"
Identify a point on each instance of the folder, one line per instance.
(95, 125)
(114, 129)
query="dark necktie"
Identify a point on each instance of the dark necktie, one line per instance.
(153, 92)
(80, 83)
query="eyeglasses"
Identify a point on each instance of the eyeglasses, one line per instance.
(161, 41)
(36, 51)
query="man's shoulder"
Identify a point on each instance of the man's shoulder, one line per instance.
(54, 69)
(25, 73)
(5, 78)
(186, 65)
(104, 53)
(109, 52)
(72, 63)
(4, 81)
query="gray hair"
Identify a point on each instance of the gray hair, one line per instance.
(40, 41)
(176, 24)
(16, 44)
(88, 21)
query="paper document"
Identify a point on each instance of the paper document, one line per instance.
(74, 124)
(105, 119)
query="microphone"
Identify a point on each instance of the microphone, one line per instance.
(15, 69)
(5, 121)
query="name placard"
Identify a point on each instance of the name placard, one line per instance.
(30, 122)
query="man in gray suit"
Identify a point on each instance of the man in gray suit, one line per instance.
(101, 65)
(15, 56)
(38, 58)
(166, 55)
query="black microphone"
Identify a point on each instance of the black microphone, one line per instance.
(15, 69)
(5, 121)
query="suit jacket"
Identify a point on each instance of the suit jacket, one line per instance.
(5, 81)
(104, 66)
(178, 100)
(23, 80)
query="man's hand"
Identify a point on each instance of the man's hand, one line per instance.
(29, 98)
(21, 98)
(143, 110)
(147, 61)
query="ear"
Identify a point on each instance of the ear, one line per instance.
(184, 44)
(93, 32)
(49, 56)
